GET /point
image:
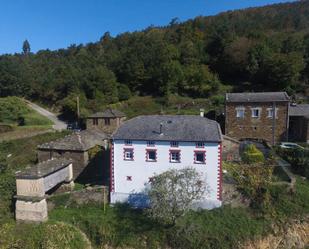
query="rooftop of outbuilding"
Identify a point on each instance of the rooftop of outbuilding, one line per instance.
(43, 169)
(108, 113)
(78, 141)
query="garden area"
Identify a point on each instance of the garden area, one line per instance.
(274, 211)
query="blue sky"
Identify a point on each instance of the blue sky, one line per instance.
(57, 24)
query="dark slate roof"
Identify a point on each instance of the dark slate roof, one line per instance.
(109, 113)
(43, 169)
(299, 110)
(78, 141)
(257, 97)
(174, 128)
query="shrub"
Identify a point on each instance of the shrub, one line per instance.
(298, 158)
(252, 154)
(173, 192)
(253, 182)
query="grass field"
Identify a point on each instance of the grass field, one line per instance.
(14, 111)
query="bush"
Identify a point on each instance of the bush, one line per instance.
(253, 182)
(298, 158)
(252, 154)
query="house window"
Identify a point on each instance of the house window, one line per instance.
(128, 154)
(129, 178)
(256, 112)
(270, 112)
(240, 112)
(174, 144)
(199, 145)
(174, 156)
(95, 121)
(150, 143)
(107, 121)
(199, 157)
(151, 155)
(128, 142)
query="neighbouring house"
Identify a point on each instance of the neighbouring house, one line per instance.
(259, 115)
(107, 121)
(299, 122)
(75, 146)
(149, 145)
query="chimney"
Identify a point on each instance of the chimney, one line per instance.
(202, 112)
(161, 125)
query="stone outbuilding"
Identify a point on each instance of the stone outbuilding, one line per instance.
(34, 182)
(107, 121)
(76, 147)
(259, 115)
(299, 122)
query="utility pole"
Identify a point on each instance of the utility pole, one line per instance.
(77, 103)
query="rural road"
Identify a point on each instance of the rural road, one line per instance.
(58, 124)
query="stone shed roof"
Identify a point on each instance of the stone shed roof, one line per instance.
(43, 169)
(299, 110)
(109, 113)
(257, 97)
(78, 141)
(174, 128)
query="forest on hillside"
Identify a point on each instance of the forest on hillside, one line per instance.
(257, 49)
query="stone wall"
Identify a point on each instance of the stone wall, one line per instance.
(80, 158)
(257, 128)
(109, 129)
(230, 149)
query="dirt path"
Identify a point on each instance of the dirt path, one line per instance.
(58, 124)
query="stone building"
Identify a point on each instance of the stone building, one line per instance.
(75, 146)
(107, 121)
(299, 122)
(34, 182)
(262, 115)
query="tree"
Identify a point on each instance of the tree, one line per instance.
(26, 47)
(173, 192)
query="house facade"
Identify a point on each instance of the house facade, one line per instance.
(263, 115)
(150, 145)
(107, 121)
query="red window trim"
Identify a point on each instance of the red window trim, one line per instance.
(199, 151)
(124, 154)
(173, 146)
(151, 161)
(201, 147)
(170, 155)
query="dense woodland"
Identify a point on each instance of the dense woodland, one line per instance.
(254, 49)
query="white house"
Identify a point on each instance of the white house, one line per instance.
(149, 145)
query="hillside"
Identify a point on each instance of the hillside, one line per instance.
(263, 48)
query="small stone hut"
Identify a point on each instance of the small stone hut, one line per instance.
(107, 121)
(75, 146)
